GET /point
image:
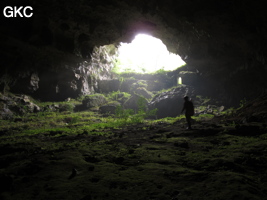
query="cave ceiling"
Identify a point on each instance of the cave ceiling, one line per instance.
(208, 35)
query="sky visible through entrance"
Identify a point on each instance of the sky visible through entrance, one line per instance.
(146, 54)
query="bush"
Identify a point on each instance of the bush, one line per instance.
(123, 113)
(66, 107)
(118, 95)
(142, 113)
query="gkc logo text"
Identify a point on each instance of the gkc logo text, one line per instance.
(22, 11)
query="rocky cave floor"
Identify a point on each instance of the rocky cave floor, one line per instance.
(216, 160)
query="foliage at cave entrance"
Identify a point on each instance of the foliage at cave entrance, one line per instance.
(145, 54)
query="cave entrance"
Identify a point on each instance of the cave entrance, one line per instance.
(146, 54)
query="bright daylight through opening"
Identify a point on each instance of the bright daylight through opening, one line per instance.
(146, 54)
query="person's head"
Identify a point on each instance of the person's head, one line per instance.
(186, 98)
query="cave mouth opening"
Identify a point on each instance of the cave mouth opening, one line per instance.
(145, 54)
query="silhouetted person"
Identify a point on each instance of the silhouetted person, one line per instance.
(189, 110)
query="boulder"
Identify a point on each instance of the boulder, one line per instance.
(51, 108)
(120, 97)
(139, 84)
(27, 104)
(95, 100)
(144, 92)
(33, 107)
(16, 105)
(66, 107)
(170, 103)
(135, 102)
(109, 108)
(5, 113)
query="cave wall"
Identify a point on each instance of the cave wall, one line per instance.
(224, 41)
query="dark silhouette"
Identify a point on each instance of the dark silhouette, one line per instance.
(189, 110)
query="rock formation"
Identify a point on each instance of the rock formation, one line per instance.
(52, 55)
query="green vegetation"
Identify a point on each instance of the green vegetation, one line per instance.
(139, 84)
(229, 112)
(162, 71)
(121, 154)
(117, 69)
(63, 119)
(117, 95)
(243, 102)
(128, 115)
(203, 117)
(124, 114)
(142, 111)
(169, 120)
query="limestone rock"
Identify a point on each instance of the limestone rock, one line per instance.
(134, 101)
(143, 92)
(5, 113)
(109, 108)
(170, 103)
(26, 82)
(95, 100)
(74, 35)
(10, 105)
